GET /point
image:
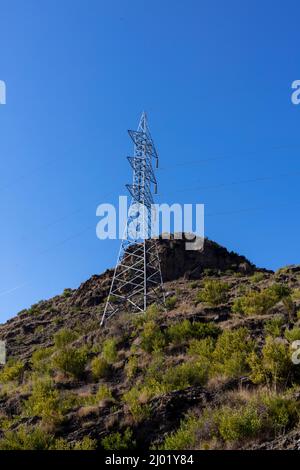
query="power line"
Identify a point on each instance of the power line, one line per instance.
(227, 156)
(237, 182)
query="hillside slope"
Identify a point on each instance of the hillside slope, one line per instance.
(213, 371)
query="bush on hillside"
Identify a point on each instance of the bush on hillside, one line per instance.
(64, 337)
(99, 367)
(213, 293)
(273, 365)
(13, 370)
(259, 303)
(229, 357)
(274, 326)
(70, 360)
(185, 330)
(109, 350)
(152, 338)
(171, 302)
(118, 441)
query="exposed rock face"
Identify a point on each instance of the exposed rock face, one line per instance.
(176, 261)
(93, 291)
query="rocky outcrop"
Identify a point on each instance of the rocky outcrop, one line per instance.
(177, 261)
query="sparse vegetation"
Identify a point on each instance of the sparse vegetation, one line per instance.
(99, 367)
(118, 441)
(13, 370)
(185, 330)
(230, 378)
(25, 439)
(171, 302)
(213, 293)
(71, 361)
(109, 350)
(152, 338)
(238, 422)
(274, 326)
(45, 402)
(260, 302)
(273, 365)
(292, 334)
(257, 277)
(229, 357)
(67, 358)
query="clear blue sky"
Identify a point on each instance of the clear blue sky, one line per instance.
(215, 79)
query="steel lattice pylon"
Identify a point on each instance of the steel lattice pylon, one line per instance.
(137, 279)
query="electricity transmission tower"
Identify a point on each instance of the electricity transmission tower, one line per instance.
(137, 279)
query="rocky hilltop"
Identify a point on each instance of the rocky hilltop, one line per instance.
(213, 371)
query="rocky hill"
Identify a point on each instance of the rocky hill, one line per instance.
(214, 371)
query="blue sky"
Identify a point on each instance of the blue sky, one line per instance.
(215, 79)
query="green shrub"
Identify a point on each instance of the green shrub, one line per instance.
(44, 402)
(280, 291)
(273, 327)
(64, 337)
(289, 306)
(131, 367)
(257, 277)
(85, 444)
(34, 309)
(13, 370)
(99, 367)
(118, 441)
(293, 334)
(26, 439)
(179, 332)
(282, 412)
(203, 330)
(262, 415)
(273, 365)
(109, 350)
(226, 356)
(184, 438)
(152, 338)
(102, 393)
(40, 359)
(213, 293)
(185, 375)
(259, 303)
(295, 294)
(153, 312)
(202, 348)
(67, 293)
(230, 355)
(171, 302)
(185, 330)
(136, 402)
(238, 424)
(70, 360)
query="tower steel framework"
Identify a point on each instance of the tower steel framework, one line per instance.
(137, 278)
